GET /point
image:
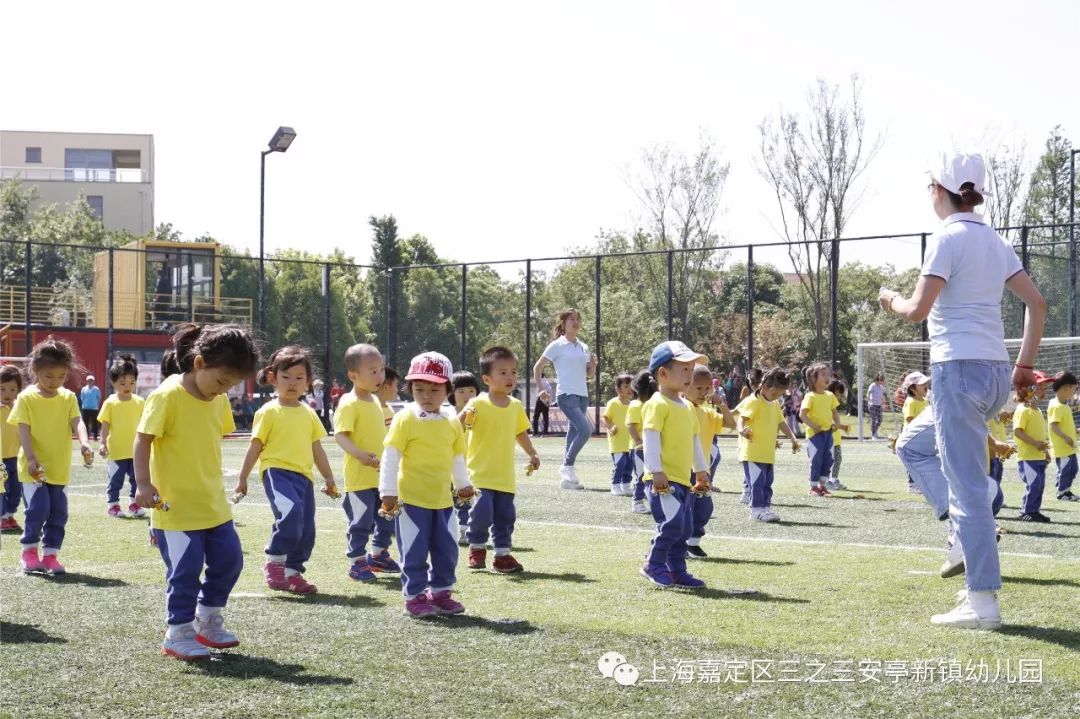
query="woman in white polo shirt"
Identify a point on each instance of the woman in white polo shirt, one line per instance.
(573, 364)
(967, 266)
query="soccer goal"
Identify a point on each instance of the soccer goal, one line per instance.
(894, 360)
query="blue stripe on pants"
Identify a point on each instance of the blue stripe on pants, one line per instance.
(1033, 475)
(185, 554)
(117, 471)
(423, 533)
(819, 449)
(46, 515)
(1066, 473)
(758, 476)
(623, 471)
(674, 515)
(12, 487)
(495, 510)
(292, 499)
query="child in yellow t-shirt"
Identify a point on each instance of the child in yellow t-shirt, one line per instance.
(710, 424)
(675, 461)
(178, 474)
(997, 449)
(359, 429)
(1059, 415)
(758, 417)
(388, 392)
(465, 388)
(423, 451)
(44, 415)
(286, 439)
(1032, 447)
(619, 438)
(119, 418)
(837, 388)
(11, 383)
(644, 387)
(818, 413)
(913, 389)
(496, 422)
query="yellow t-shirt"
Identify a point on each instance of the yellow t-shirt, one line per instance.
(287, 434)
(428, 446)
(710, 424)
(819, 407)
(633, 417)
(1030, 420)
(997, 429)
(491, 439)
(185, 457)
(50, 431)
(364, 422)
(913, 408)
(677, 424)
(9, 444)
(1060, 413)
(615, 414)
(388, 414)
(763, 418)
(123, 418)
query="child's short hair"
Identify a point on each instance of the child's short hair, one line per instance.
(623, 378)
(775, 378)
(285, 359)
(1065, 379)
(753, 377)
(464, 380)
(227, 346)
(701, 372)
(495, 354)
(645, 385)
(51, 352)
(356, 354)
(813, 371)
(390, 375)
(879, 377)
(11, 373)
(837, 386)
(125, 366)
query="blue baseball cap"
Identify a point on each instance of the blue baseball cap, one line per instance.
(672, 350)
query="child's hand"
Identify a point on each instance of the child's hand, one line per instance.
(1044, 446)
(103, 451)
(534, 461)
(87, 456)
(779, 444)
(794, 446)
(389, 507)
(330, 488)
(466, 492)
(701, 483)
(146, 495)
(241, 488)
(543, 396)
(747, 432)
(370, 459)
(660, 483)
(612, 431)
(846, 427)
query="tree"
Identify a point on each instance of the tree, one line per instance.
(385, 253)
(730, 289)
(1005, 170)
(1048, 189)
(812, 164)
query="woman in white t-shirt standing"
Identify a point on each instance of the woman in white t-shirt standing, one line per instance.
(959, 291)
(573, 364)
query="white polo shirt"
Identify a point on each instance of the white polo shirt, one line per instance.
(975, 262)
(569, 359)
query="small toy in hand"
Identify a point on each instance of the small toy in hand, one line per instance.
(468, 417)
(3, 474)
(388, 510)
(160, 504)
(665, 490)
(237, 497)
(466, 501)
(39, 475)
(701, 485)
(892, 443)
(87, 457)
(332, 492)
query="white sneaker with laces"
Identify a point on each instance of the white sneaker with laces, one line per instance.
(974, 610)
(640, 507)
(181, 642)
(764, 514)
(569, 478)
(212, 632)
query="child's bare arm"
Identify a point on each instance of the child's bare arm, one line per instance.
(1055, 427)
(322, 463)
(252, 456)
(526, 444)
(729, 418)
(634, 435)
(145, 491)
(79, 429)
(26, 441)
(1028, 439)
(344, 440)
(804, 415)
(104, 451)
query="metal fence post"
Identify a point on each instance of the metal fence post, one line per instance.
(1072, 244)
(1024, 262)
(834, 301)
(596, 370)
(112, 316)
(528, 333)
(859, 385)
(326, 342)
(670, 293)
(191, 285)
(749, 307)
(464, 311)
(29, 297)
(389, 351)
(924, 332)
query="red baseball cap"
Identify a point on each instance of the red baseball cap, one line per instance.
(1042, 377)
(430, 367)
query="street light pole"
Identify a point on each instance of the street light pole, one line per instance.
(1072, 241)
(278, 143)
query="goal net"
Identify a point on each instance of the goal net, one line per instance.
(894, 360)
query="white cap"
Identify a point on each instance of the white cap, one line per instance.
(957, 168)
(91, 378)
(914, 378)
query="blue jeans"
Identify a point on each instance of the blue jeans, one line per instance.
(968, 393)
(917, 448)
(579, 429)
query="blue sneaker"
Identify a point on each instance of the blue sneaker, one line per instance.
(686, 580)
(383, 562)
(361, 571)
(658, 574)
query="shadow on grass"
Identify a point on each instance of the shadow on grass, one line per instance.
(88, 580)
(856, 495)
(786, 523)
(758, 562)
(1042, 534)
(359, 601)
(1041, 582)
(232, 665)
(1068, 638)
(749, 595)
(26, 634)
(530, 575)
(498, 626)
(799, 506)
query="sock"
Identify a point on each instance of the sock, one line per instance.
(984, 603)
(203, 612)
(5, 516)
(175, 629)
(114, 504)
(693, 542)
(476, 546)
(502, 551)
(276, 558)
(32, 545)
(50, 551)
(290, 572)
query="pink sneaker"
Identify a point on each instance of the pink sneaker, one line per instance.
(444, 603)
(52, 565)
(114, 511)
(30, 561)
(136, 511)
(298, 585)
(275, 575)
(419, 607)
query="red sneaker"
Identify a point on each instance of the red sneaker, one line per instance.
(477, 558)
(52, 565)
(298, 585)
(31, 563)
(420, 607)
(444, 603)
(818, 491)
(9, 524)
(506, 564)
(275, 575)
(114, 511)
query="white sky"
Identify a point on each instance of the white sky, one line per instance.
(503, 129)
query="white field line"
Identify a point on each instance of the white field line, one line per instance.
(643, 530)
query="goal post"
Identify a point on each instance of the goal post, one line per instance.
(895, 359)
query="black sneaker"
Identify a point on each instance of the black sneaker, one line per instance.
(1034, 517)
(696, 552)
(1068, 496)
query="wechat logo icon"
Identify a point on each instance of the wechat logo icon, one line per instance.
(613, 665)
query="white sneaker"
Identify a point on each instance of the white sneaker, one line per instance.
(764, 514)
(569, 478)
(181, 642)
(616, 490)
(964, 616)
(913, 489)
(463, 536)
(954, 557)
(640, 507)
(745, 499)
(835, 484)
(212, 632)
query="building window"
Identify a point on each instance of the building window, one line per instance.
(33, 155)
(97, 206)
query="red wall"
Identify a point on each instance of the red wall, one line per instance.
(92, 348)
